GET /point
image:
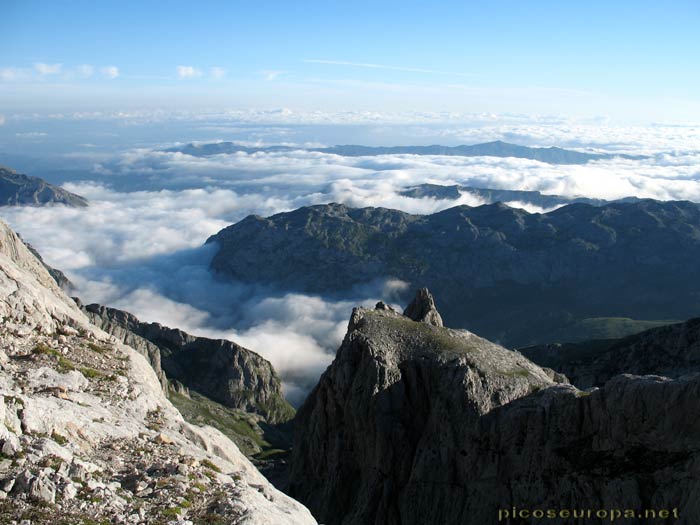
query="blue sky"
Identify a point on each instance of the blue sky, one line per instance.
(632, 60)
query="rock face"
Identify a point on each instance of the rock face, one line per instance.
(86, 432)
(422, 309)
(671, 351)
(17, 189)
(388, 416)
(488, 149)
(498, 271)
(414, 424)
(58, 275)
(218, 369)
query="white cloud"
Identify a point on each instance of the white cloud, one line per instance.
(110, 72)
(13, 74)
(187, 72)
(217, 73)
(2, 119)
(142, 250)
(31, 135)
(367, 65)
(270, 75)
(47, 69)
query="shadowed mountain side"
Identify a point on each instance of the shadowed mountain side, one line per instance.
(218, 369)
(671, 351)
(508, 274)
(17, 190)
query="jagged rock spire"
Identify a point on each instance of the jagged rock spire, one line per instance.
(422, 309)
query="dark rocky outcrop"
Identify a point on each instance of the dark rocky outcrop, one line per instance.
(17, 189)
(422, 309)
(216, 368)
(498, 271)
(394, 405)
(414, 424)
(671, 351)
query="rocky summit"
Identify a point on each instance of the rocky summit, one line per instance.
(87, 434)
(414, 423)
(502, 272)
(17, 189)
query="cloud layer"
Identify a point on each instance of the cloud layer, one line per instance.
(143, 250)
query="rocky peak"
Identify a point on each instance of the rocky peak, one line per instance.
(422, 309)
(396, 399)
(414, 423)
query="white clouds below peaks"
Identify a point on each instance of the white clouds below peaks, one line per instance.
(142, 250)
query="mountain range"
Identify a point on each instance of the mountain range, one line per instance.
(412, 423)
(507, 274)
(551, 155)
(17, 189)
(491, 196)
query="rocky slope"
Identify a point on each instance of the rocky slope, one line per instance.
(17, 189)
(497, 148)
(672, 351)
(87, 434)
(413, 424)
(499, 271)
(216, 368)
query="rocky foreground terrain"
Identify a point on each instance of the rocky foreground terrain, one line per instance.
(17, 189)
(414, 423)
(501, 272)
(87, 435)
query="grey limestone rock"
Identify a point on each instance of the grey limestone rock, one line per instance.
(216, 368)
(422, 309)
(414, 424)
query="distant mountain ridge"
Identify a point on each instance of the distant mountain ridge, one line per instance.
(551, 155)
(671, 351)
(499, 271)
(17, 189)
(491, 195)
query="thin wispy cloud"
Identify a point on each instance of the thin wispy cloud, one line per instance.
(48, 69)
(110, 72)
(217, 73)
(13, 74)
(270, 75)
(188, 72)
(368, 65)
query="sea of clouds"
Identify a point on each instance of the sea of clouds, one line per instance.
(140, 246)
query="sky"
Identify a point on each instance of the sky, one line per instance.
(634, 61)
